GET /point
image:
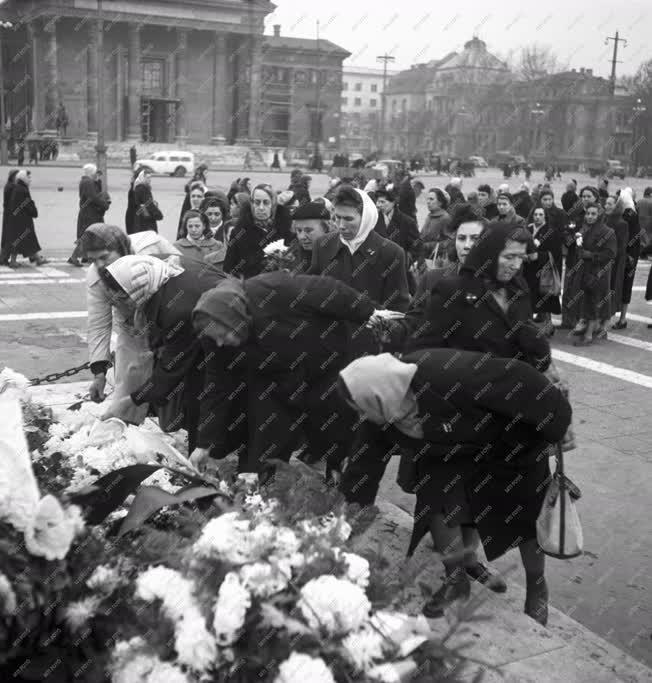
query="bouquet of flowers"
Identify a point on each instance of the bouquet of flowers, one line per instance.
(278, 256)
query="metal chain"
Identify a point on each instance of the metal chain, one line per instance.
(54, 376)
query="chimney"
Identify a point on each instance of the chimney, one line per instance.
(589, 72)
(277, 30)
(582, 70)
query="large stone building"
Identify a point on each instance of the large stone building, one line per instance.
(362, 92)
(471, 103)
(175, 71)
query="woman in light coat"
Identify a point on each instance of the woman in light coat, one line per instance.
(102, 245)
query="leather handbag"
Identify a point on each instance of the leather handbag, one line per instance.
(549, 278)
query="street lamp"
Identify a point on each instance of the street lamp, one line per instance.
(537, 112)
(4, 155)
(639, 108)
(384, 59)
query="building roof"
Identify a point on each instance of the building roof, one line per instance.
(474, 56)
(416, 78)
(351, 70)
(305, 45)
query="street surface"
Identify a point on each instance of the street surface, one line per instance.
(608, 589)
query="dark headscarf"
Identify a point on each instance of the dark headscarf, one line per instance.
(225, 305)
(103, 236)
(482, 260)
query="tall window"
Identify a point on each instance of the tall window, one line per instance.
(372, 102)
(358, 101)
(153, 76)
(345, 85)
(358, 87)
(374, 87)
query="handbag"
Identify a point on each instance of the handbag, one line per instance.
(549, 278)
(559, 531)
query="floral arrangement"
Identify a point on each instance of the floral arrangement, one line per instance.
(227, 580)
(278, 256)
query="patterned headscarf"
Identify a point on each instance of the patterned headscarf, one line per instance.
(142, 276)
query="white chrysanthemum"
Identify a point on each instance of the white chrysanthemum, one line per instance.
(231, 538)
(357, 569)
(233, 601)
(134, 670)
(161, 478)
(287, 543)
(10, 380)
(78, 613)
(104, 579)
(57, 430)
(53, 529)
(193, 642)
(273, 247)
(325, 525)
(363, 647)
(7, 596)
(299, 668)
(333, 604)
(164, 672)
(263, 579)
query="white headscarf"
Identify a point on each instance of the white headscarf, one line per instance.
(456, 182)
(89, 169)
(626, 199)
(141, 178)
(503, 187)
(23, 175)
(380, 387)
(367, 224)
(142, 276)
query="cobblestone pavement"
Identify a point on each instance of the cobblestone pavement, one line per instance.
(608, 589)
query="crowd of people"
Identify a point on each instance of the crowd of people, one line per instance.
(337, 328)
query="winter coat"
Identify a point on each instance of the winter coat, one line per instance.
(93, 204)
(644, 209)
(377, 268)
(621, 230)
(436, 230)
(512, 217)
(569, 200)
(145, 210)
(407, 199)
(633, 252)
(6, 198)
(19, 234)
(244, 255)
(209, 250)
(402, 230)
(550, 244)
(523, 203)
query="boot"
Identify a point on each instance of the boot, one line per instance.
(494, 582)
(455, 587)
(536, 600)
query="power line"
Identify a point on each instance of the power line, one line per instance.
(614, 60)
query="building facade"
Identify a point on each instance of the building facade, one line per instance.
(361, 103)
(471, 103)
(174, 72)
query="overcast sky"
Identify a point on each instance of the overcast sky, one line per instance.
(418, 31)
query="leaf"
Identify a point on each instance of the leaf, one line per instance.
(150, 499)
(75, 406)
(110, 491)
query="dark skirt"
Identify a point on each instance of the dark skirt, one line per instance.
(541, 303)
(24, 243)
(628, 280)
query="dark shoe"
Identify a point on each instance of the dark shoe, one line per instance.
(582, 341)
(536, 603)
(13, 264)
(75, 262)
(578, 331)
(620, 325)
(600, 334)
(478, 572)
(41, 261)
(448, 593)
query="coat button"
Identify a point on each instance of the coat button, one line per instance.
(447, 427)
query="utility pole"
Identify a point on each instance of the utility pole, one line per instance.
(318, 97)
(384, 59)
(4, 152)
(614, 60)
(100, 148)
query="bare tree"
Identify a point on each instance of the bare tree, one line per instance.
(640, 84)
(535, 61)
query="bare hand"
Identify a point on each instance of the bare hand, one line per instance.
(118, 408)
(198, 457)
(284, 197)
(96, 389)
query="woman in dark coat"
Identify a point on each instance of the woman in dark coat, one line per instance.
(197, 186)
(19, 233)
(142, 211)
(596, 249)
(614, 220)
(358, 256)
(547, 244)
(570, 309)
(6, 249)
(297, 332)
(627, 206)
(93, 204)
(165, 293)
(472, 425)
(216, 208)
(261, 222)
(487, 307)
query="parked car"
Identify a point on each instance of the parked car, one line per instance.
(612, 169)
(174, 163)
(386, 166)
(479, 162)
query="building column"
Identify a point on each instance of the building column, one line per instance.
(52, 95)
(134, 84)
(255, 89)
(182, 79)
(120, 92)
(35, 118)
(221, 89)
(91, 83)
(291, 113)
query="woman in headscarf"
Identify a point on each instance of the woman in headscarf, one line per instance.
(93, 204)
(6, 248)
(195, 193)
(261, 222)
(358, 256)
(435, 232)
(614, 220)
(102, 245)
(296, 332)
(198, 241)
(142, 211)
(627, 209)
(164, 293)
(570, 313)
(19, 231)
(481, 450)
(487, 307)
